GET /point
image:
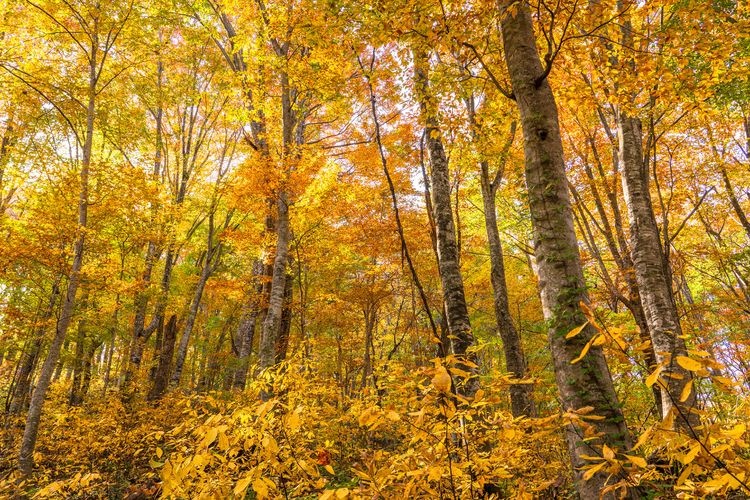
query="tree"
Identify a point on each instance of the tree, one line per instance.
(586, 383)
(102, 33)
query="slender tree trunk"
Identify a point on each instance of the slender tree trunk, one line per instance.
(618, 245)
(272, 321)
(192, 314)
(285, 327)
(23, 376)
(88, 365)
(739, 212)
(28, 442)
(394, 201)
(29, 357)
(653, 280)
(245, 337)
(371, 318)
(141, 331)
(208, 378)
(108, 360)
(521, 398)
(161, 379)
(75, 398)
(588, 382)
(449, 269)
(522, 402)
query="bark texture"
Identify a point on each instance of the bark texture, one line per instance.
(587, 382)
(272, 321)
(161, 378)
(651, 273)
(457, 313)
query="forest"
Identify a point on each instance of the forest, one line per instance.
(375, 249)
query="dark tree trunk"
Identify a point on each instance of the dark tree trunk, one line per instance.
(190, 321)
(161, 378)
(88, 366)
(29, 357)
(448, 257)
(245, 337)
(282, 342)
(22, 386)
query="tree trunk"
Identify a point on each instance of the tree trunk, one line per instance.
(141, 332)
(588, 382)
(161, 379)
(208, 378)
(88, 365)
(272, 321)
(29, 357)
(245, 337)
(521, 398)
(739, 212)
(651, 274)
(75, 398)
(23, 376)
(28, 443)
(138, 344)
(448, 257)
(371, 318)
(192, 314)
(285, 327)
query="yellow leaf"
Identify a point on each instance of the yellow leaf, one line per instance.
(293, 422)
(593, 470)
(329, 469)
(639, 461)
(209, 438)
(223, 441)
(269, 443)
(690, 456)
(686, 391)
(643, 437)
(241, 486)
(327, 495)
(342, 493)
(159, 452)
(608, 453)
(651, 379)
(585, 350)
(261, 487)
(575, 331)
(689, 363)
(736, 432)
(685, 474)
(716, 484)
(441, 380)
